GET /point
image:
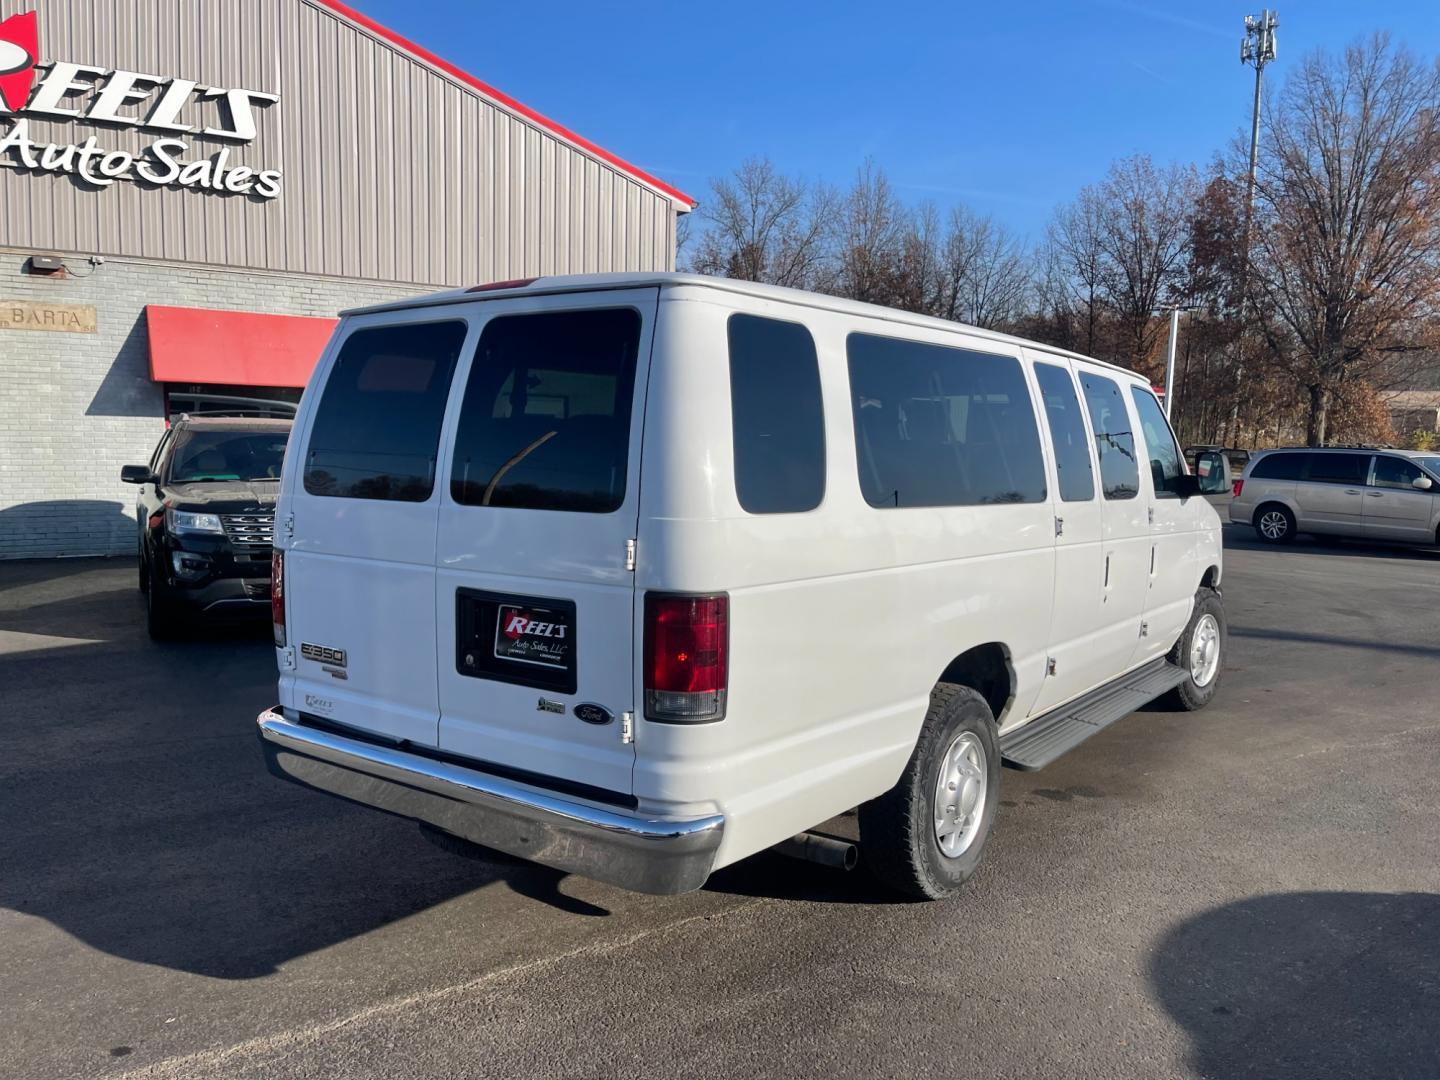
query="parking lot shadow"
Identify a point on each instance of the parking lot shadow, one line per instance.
(136, 813)
(1306, 985)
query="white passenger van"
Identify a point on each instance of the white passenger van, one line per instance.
(637, 575)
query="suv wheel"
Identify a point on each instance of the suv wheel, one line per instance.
(1201, 652)
(924, 837)
(144, 568)
(1274, 524)
(162, 614)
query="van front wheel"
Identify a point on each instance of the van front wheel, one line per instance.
(924, 837)
(1201, 652)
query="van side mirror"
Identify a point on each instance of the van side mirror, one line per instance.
(1186, 484)
(136, 474)
(1212, 471)
(1422, 483)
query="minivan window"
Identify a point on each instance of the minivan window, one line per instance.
(1391, 472)
(776, 416)
(1339, 468)
(545, 422)
(1067, 433)
(1114, 441)
(1279, 467)
(376, 432)
(1165, 466)
(940, 426)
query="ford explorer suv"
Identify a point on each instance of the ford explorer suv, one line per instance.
(1370, 494)
(637, 575)
(206, 511)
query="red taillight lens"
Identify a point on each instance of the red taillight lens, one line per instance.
(687, 640)
(1239, 487)
(277, 595)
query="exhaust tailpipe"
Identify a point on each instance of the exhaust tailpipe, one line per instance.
(825, 850)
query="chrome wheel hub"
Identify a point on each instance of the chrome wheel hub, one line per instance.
(960, 795)
(1205, 651)
(1274, 525)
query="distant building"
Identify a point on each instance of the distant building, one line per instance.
(190, 192)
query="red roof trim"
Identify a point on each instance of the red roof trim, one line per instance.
(507, 101)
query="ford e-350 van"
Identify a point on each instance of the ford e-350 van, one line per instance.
(637, 575)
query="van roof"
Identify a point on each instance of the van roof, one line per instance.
(596, 282)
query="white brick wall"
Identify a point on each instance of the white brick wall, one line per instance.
(74, 408)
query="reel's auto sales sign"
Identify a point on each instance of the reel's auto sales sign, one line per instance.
(163, 105)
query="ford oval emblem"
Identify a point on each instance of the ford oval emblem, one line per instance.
(593, 714)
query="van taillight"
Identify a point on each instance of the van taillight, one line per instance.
(687, 640)
(1239, 487)
(277, 595)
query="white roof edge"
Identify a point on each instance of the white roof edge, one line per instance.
(564, 283)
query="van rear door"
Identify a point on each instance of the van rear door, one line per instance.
(363, 507)
(534, 594)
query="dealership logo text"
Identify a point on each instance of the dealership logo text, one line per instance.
(110, 97)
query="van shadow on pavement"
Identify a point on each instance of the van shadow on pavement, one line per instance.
(1303, 985)
(135, 810)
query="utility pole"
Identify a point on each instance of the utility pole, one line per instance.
(1170, 359)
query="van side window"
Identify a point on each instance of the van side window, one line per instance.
(1067, 433)
(1339, 468)
(1393, 472)
(776, 416)
(1114, 441)
(545, 423)
(940, 426)
(377, 429)
(1279, 467)
(1165, 466)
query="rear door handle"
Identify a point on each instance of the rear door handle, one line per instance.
(1375, 494)
(1351, 491)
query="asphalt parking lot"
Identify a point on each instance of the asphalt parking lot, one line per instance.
(1252, 891)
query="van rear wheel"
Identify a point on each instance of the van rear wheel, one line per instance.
(924, 837)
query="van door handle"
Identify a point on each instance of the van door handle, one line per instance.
(1352, 491)
(1375, 494)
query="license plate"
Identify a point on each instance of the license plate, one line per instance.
(533, 635)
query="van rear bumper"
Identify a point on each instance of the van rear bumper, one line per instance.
(643, 854)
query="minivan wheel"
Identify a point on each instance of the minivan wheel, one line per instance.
(1274, 524)
(1201, 652)
(924, 837)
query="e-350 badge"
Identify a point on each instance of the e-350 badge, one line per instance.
(322, 654)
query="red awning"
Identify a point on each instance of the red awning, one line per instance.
(234, 348)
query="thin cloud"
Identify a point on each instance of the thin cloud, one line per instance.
(1151, 72)
(1214, 29)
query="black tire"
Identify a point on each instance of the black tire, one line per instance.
(897, 831)
(144, 568)
(162, 614)
(1272, 516)
(1189, 695)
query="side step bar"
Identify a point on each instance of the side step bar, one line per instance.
(1059, 731)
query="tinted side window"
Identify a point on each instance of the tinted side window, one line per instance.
(377, 428)
(776, 416)
(1067, 432)
(1114, 441)
(936, 426)
(545, 424)
(1164, 455)
(1395, 472)
(1339, 468)
(1279, 467)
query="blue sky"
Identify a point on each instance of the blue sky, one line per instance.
(1008, 107)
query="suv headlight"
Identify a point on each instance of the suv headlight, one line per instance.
(183, 521)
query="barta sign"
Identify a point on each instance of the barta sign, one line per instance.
(97, 95)
(56, 318)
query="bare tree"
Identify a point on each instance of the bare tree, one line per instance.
(986, 274)
(1346, 245)
(765, 226)
(1075, 264)
(873, 229)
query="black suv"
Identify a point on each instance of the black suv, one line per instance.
(207, 518)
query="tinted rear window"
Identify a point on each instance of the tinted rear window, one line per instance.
(1279, 467)
(545, 424)
(1067, 432)
(1339, 468)
(377, 429)
(937, 426)
(1114, 439)
(776, 416)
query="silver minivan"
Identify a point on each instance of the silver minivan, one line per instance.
(1390, 495)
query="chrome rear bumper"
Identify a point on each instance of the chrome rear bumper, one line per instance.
(644, 854)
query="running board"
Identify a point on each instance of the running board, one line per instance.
(1059, 731)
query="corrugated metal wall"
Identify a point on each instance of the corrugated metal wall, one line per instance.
(392, 171)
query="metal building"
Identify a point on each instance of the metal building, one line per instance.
(190, 190)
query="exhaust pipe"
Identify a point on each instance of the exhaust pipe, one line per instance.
(825, 850)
